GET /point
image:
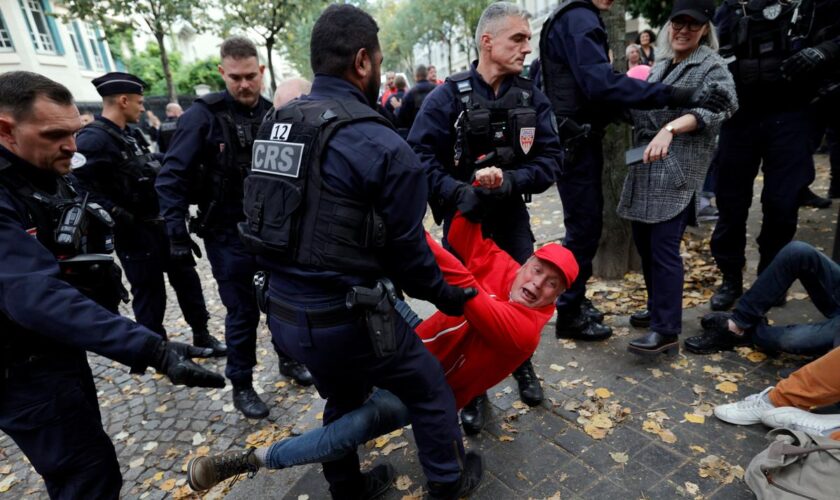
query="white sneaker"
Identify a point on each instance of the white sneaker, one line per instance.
(788, 417)
(747, 411)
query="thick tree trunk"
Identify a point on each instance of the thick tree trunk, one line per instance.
(269, 46)
(449, 53)
(616, 251)
(164, 61)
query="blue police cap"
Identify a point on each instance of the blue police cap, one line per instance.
(119, 83)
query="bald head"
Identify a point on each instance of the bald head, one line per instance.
(174, 110)
(290, 89)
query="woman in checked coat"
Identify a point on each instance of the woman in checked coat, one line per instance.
(661, 194)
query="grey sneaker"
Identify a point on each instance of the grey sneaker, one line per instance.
(747, 411)
(205, 472)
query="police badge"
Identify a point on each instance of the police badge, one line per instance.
(771, 12)
(526, 138)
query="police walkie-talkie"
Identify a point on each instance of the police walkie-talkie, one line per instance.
(68, 233)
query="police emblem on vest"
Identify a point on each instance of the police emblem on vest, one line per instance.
(290, 215)
(497, 132)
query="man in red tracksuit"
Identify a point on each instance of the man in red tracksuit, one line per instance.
(500, 328)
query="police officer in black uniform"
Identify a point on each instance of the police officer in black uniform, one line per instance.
(208, 159)
(119, 173)
(50, 283)
(490, 116)
(587, 94)
(334, 205)
(768, 40)
(164, 132)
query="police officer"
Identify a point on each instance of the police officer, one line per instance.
(334, 204)
(586, 93)
(490, 116)
(768, 40)
(48, 402)
(208, 159)
(166, 129)
(119, 173)
(414, 98)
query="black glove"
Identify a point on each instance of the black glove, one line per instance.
(469, 203)
(122, 216)
(181, 249)
(501, 192)
(711, 97)
(451, 303)
(173, 360)
(809, 59)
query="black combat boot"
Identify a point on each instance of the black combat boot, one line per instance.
(808, 198)
(466, 484)
(577, 326)
(654, 343)
(716, 336)
(475, 414)
(202, 338)
(640, 319)
(295, 371)
(377, 481)
(588, 309)
(729, 291)
(205, 472)
(530, 390)
(246, 400)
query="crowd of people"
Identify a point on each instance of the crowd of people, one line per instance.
(310, 209)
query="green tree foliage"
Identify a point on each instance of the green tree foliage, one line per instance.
(204, 71)
(153, 16)
(147, 66)
(655, 11)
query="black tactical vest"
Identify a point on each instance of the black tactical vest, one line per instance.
(224, 169)
(135, 175)
(558, 81)
(500, 133)
(165, 132)
(290, 214)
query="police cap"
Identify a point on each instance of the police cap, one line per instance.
(119, 83)
(699, 10)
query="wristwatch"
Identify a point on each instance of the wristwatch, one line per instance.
(670, 128)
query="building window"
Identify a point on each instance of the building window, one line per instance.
(39, 26)
(78, 47)
(6, 44)
(95, 47)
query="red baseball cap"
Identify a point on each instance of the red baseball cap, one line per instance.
(562, 258)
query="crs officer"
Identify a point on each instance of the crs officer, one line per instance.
(586, 93)
(779, 50)
(334, 205)
(208, 160)
(490, 116)
(48, 318)
(164, 132)
(119, 173)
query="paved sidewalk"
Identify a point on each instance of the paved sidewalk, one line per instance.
(651, 451)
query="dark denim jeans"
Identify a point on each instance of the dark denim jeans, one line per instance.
(382, 413)
(821, 278)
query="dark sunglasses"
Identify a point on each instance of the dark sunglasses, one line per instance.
(692, 25)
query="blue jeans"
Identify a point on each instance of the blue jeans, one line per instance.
(821, 278)
(382, 413)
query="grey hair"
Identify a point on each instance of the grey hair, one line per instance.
(494, 14)
(663, 43)
(631, 46)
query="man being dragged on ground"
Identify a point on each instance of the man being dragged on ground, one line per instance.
(500, 329)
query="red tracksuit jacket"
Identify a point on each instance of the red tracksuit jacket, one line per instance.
(495, 336)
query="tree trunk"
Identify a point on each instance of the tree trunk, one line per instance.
(269, 46)
(616, 251)
(449, 53)
(164, 61)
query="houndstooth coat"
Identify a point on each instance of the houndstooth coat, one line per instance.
(659, 191)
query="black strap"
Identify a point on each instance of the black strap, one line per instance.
(317, 318)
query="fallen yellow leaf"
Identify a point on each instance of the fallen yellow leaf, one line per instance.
(505, 438)
(694, 419)
(168, 485)
(594, 432)
(756, 357)
(727, 387)
(619, 458)
(667, 436)
(603, 392)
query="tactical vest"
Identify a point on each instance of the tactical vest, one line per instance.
(135, 175)
(165, 132)
(291, 216)
(77, 232)
(419, 95)
(224, 169)
(558, 81)
(500, 132)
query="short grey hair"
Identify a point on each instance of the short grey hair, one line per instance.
(663, 43)
(630, 47)
(494, 14)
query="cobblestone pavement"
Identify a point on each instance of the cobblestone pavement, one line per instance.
(654, 449)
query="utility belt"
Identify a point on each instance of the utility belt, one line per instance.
(377, 303)
(98, 277)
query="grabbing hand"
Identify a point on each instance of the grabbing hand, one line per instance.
(469, 204)
(712, 97)
(181, 250)
(489, 177)
(503, 189)
(658, 147)
(453, 300)
(809, 59)
(174, 359)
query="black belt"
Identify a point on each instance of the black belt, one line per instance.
(317, 318)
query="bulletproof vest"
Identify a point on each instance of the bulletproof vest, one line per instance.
(497, 132)
(558, 81)
(765, 33)
(135, 175)
(291, 216)
(227, 167)
(165, 132)
(420, 96)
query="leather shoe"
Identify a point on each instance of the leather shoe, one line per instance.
(729, 291)
(377, 481)
(579, 327)
(530, 391)
(715, 340)
(202, 338)
(716, 321)
(296, 371)
(591, 312)
(654, 343)
(464, 485)
(246, 400)
(475, 414)
(808, 198)
(640, 319)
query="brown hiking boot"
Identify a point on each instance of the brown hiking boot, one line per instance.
(205, 472)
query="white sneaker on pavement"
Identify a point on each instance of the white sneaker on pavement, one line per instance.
(747, 411)
(788, 417)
